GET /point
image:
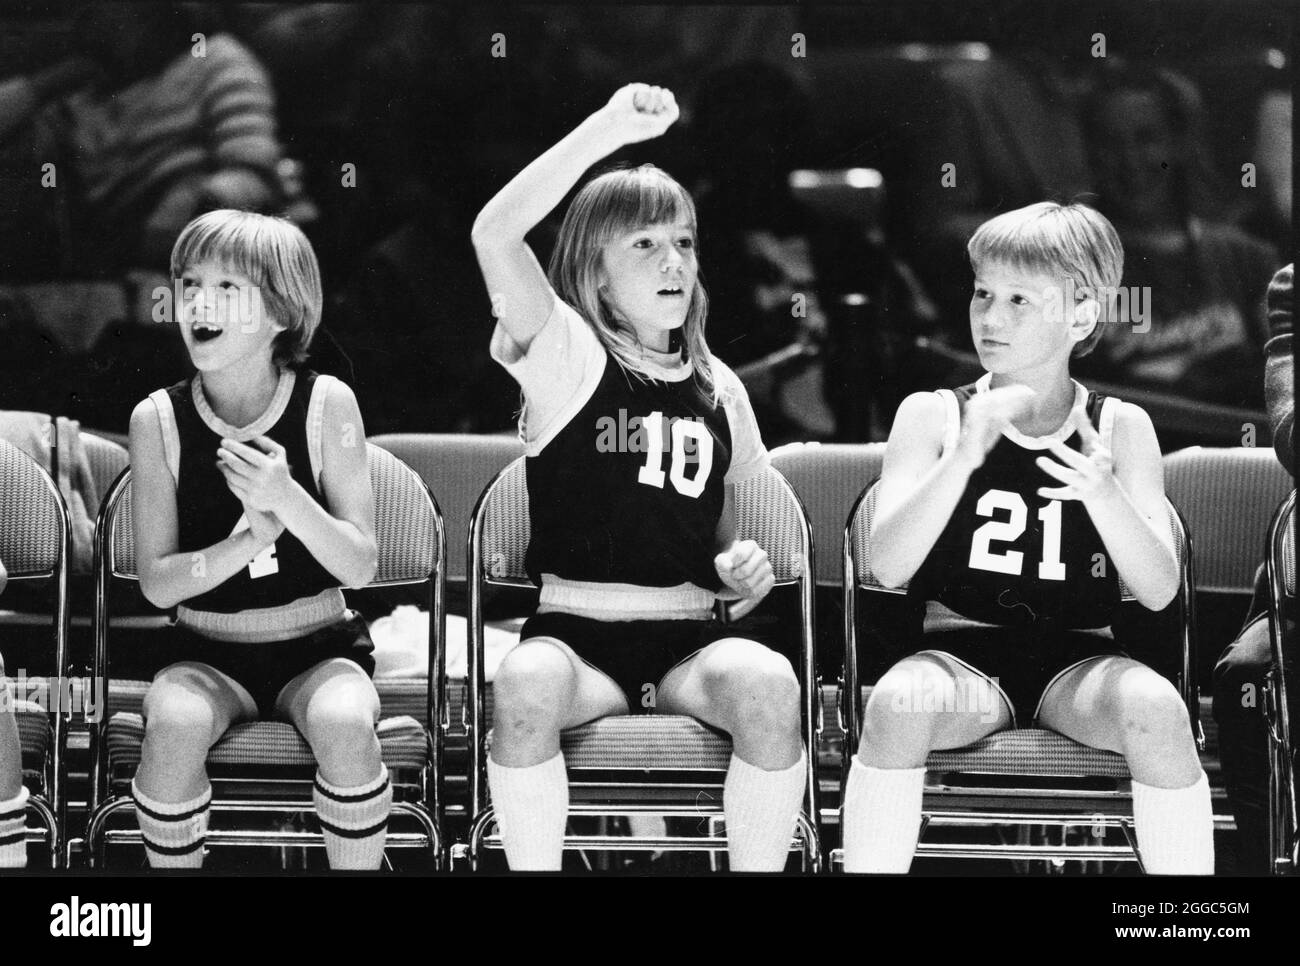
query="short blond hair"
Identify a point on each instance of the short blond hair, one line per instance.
(1071, 241)
(276, 256)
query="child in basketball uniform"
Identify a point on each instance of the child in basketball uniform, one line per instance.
(252, 508)
(13, 794)
(635, 437)
(1012, 507)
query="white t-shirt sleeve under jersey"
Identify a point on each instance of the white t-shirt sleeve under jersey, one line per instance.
(558, 372)
(748, 454)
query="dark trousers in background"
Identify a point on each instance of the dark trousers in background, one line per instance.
(1243, 735)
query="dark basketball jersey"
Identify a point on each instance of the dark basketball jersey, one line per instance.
(1010, 557)
(207, 512)
(626, 476)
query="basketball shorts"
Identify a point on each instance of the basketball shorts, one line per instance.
(265, 668)
(1021, 663)
(637, 655)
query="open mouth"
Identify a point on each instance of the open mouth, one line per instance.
(204, 332)
(672, 291)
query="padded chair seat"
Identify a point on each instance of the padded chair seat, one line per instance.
(403, 744)
(1029, 751)
(1025, 751)
(644, 742)
(398, 697)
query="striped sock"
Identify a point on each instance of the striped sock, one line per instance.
(354, 820)
(1175, 828)
(882, 817)
(532, 808)
(13, 831)
(173, 833)
(761, 808)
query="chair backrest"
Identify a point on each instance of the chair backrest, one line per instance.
(859, 535)
(457, 467)
(502, 524)
(33, 518)
(1228, 496)
(768, 512)
(408, 525)
(829, 477)
(107, 461)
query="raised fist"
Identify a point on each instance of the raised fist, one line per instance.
(640, 112)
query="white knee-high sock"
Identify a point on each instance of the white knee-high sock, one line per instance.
(173, 832)
(13, 831)
(1175, 828)
(532, 809)
(354, 820)
(760, 809)
(882, 818)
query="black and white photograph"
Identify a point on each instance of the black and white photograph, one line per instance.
(446, 442)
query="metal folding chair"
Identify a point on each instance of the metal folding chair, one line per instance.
(1283, 828)
(829, 478)
(265, 768)
(456, 466)
(669, 766)
(35, 544)
(1021, 777)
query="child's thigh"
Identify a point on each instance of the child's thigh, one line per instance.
(937, 695)
(192, 694)
(336, 688)
(1091, 701)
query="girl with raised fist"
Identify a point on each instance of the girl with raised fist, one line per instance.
(633, 533)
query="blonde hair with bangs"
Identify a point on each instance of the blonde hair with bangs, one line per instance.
(275, 256)
(608, 205)
(1071, 241)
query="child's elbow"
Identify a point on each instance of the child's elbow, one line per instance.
(157, 593)
(888, 574)
(486, 232)
(363, 573)
(1160, 596)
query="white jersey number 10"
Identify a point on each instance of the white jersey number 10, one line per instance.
(1006, 531)
(652, 473)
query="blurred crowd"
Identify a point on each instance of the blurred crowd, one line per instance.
(834, 290)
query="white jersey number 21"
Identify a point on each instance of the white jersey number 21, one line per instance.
(1012, 561)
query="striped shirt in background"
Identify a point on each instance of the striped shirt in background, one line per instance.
(197, 116)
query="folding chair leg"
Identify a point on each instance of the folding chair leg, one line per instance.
(96, 826)
(430, 827)
(51, 825)
(812, 848)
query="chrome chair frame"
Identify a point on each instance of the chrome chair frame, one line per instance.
(51, 806)
(670, 798)
(1283, 827)
(976, 806)
(423, 801)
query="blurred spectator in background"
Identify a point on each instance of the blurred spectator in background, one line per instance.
(146, 124)
(1196, 326)
(1239, 675)
(156, 125)
(1267, 213)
